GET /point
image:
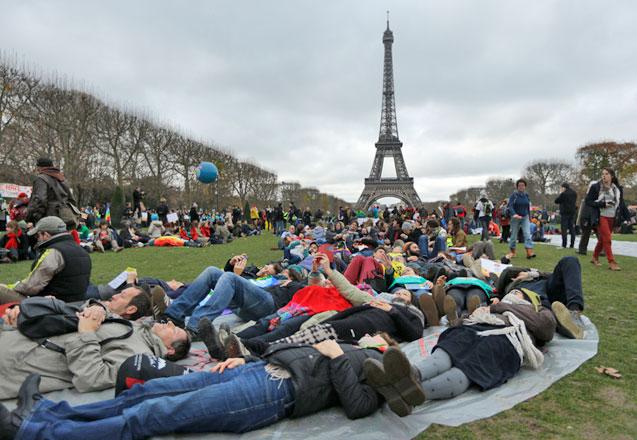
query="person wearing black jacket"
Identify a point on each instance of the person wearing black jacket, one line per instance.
(238, 395)
(399, 320)
(567, 201)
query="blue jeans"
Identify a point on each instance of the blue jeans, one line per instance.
(484, 224)
(246, 299)
(440, 245)
(194, 293)
(238, 400)
(525, 223)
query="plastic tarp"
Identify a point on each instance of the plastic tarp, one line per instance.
(562, 356)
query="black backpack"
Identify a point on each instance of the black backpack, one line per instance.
(41, 318)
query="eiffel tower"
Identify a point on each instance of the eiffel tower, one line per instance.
(388, 145)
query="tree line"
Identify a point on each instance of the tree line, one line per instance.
(105, 150)
(545, 176)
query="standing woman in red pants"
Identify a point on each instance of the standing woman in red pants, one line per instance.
(605, 197)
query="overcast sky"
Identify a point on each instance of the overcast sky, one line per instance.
(482, 87)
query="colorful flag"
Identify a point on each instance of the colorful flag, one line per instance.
(107, 216)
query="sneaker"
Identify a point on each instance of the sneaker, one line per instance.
(376, 378)
(158, 301)
(211, 339)
(429, 309)
(403, 376)
(569, 323)
(451, 309)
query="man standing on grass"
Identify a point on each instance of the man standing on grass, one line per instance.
(567, 201)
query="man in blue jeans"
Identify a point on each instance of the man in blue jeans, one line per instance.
(234, 289)
(234, 397)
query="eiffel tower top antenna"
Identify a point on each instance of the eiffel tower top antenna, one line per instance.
(387, 19)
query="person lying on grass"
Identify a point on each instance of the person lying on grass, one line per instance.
(237, 395)
(485, 349)
(87, 359)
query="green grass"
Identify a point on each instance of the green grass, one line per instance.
(625, 237)
(584, 404)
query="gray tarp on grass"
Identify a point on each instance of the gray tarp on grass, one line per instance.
(562, 357)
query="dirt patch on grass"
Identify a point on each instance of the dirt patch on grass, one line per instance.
(616, 397)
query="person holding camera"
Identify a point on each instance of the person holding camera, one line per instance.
(605, 197)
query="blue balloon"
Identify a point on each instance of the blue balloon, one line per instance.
(207, 172)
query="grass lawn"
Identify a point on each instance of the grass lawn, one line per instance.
(625, 237)
(585, 404)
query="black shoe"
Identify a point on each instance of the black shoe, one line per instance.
(210, 338)
(166, 318)
(28, 396)
(8, 430)
(376, 378)
(403, 376)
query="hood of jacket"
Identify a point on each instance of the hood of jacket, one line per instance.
(53, 172)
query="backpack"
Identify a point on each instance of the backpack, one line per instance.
(64, 209)
(41, 318)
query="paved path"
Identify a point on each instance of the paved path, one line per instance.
(626, 248)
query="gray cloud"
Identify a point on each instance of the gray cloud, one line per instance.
(481, 87)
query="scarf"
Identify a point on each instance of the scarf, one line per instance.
(515, 332)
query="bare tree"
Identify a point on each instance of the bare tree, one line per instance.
(545, 177)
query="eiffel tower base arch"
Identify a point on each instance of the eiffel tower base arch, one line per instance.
(402, 189)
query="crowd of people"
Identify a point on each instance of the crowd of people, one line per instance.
(321, 325)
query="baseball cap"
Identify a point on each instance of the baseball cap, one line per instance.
(53, 225)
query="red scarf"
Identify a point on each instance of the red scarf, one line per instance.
(13, 241)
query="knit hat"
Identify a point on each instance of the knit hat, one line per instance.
(44, 162)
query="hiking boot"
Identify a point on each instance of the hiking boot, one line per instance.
(233, 347)
(451, 309)
(403, 376)
(472, 304)
(211, 340)
(569, 322)
(376, 378)
(224, 332)
(158, 301)
(614, 266)
(429, 309)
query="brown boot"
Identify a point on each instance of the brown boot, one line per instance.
(530, 254)
(614, 266)
(451, 309)
(472, 304)
(429, 309)
(438, 294)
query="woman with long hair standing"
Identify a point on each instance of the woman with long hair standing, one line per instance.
(605, 197)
